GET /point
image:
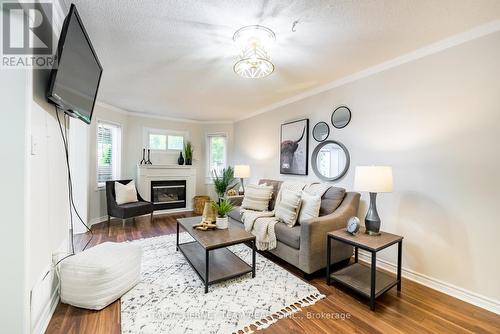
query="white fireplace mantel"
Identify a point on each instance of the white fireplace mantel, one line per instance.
(148, 173)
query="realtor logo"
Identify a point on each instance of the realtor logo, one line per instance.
(27, 37)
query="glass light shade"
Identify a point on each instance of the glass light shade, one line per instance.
(242, 171)
(373, 179)
(254, 42)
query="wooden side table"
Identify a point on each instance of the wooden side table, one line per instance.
(368, 281)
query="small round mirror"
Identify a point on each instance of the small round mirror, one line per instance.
(341, 117)
(330, 160)
(321, 131)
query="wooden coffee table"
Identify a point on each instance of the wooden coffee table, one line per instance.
(366, 280)
(209, 255)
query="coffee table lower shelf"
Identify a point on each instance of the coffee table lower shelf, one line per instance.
(224, 264)
(358, 277)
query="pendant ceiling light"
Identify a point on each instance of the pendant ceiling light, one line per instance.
(254, 42)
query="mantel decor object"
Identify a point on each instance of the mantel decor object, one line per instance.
(188, 153)
(143, 161)
(180, 161)
(148, 162)
(373, 179)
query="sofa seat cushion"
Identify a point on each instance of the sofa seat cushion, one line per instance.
(235, 214)
(331, 200)
(95, 278)
(290, 236)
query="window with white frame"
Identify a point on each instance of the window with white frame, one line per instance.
(164, 140)
(108, 152)
(217, 153)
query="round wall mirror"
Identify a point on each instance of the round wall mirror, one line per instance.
(341, 116)
(330, 160)
(321, 131)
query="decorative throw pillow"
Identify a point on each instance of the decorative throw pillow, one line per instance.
(310, 207)
(125, 193)
(287, 210)
(257, 197)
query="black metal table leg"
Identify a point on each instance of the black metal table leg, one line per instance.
(177, 242)
(355, 254)
(253, 258)
(328, 258)
(373, 280)
(206, 270)
(400, 249)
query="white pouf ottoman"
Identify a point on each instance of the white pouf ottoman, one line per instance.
(95, 278)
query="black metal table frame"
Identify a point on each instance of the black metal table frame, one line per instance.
(373, 267)
(207, 262)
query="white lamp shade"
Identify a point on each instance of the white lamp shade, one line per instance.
(242, 171)
(373, 179)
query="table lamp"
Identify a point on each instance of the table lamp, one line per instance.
(373, 179)
(243, 172)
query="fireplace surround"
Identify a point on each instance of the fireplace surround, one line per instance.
(170, 188)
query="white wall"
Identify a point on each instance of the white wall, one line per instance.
(35, 205)
(48, 219)
(132, 143)
(435, 120)
(14, 301)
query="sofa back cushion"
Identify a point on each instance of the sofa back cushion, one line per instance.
(276, 188)
(331, 200)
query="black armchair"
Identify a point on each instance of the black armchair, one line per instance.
(127, 210)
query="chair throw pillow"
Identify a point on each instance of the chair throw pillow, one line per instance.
(310, 206)
(125, 193)
(257, 197)
(287, 210)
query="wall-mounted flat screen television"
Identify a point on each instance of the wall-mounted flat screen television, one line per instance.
(75, 80)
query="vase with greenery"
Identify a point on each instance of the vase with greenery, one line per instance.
(223, 207)
(188, 153)
(224, 182)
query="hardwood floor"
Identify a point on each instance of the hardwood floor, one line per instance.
(416, 309)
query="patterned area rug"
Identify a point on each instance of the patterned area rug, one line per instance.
(170, 297)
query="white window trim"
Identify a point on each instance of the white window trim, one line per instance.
(147, 131)
(207, 146)
(102, 185)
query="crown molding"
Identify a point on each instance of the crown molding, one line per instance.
(155, 116)
(439, 46)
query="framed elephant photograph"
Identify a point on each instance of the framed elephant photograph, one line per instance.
(294, 147)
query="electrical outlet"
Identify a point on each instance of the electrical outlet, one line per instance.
(34, 145)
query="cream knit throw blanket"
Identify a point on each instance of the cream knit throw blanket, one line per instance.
(261, 223)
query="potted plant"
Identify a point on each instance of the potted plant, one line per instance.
(188, 153)
(224, 182)
(222, 208)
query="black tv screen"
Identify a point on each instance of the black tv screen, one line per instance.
(75, 80)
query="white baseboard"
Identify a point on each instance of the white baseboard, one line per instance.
(98, 220)
(433, 283)
(41, 326)
(44, 298)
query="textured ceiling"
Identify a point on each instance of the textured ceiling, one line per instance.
(175, 58)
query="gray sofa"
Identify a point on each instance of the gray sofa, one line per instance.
(304, 245)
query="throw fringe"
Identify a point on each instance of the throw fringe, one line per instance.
(283, 313)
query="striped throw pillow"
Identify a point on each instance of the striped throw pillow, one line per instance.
(257, 197)
(288, 207)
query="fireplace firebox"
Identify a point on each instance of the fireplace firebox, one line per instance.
(168, 194)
